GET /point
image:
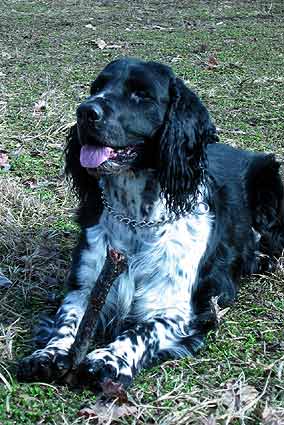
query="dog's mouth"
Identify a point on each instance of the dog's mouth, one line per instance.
(92, 157)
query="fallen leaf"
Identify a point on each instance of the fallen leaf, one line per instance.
(32, 183)
(114, 390)
(4, 281)
(106, 412)
(159, 27)
(35, 153)
(101, 44)
(219, 313)
(88, 412)
(176, 59)
(272, 416)
(90, 26)
(114, 46)
(237, 131)
(39, 107)
(238, 396)
(212, 62)
(4, 161)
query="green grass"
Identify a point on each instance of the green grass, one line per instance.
(49, 55)
(30, 404)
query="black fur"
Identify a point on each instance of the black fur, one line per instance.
(174, 142)
(142, 107)
(187, 131)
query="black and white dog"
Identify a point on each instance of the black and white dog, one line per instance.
(192, 217)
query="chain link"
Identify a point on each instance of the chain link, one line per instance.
(132, 222)
(146, 223)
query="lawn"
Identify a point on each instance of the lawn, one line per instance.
(232, 54)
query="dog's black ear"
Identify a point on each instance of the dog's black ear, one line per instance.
(85, 186)
(186, 132)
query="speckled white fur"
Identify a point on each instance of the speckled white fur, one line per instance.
(163, 261)
(154, 293)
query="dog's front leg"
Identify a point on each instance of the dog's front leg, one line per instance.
(52, 361)
(135, 349)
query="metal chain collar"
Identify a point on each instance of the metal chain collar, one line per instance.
(144, 223)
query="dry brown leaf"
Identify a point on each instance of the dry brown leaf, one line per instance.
(4, 161)
(238, 396)
(31, 183)
(114, 390)
(34, 183)
(106, 412)
(271, 416)
(88, 412)
(212, 62)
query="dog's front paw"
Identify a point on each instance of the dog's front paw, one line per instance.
(101, 366)
(44, 365)
(93, 372)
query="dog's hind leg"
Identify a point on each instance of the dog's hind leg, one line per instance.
(266, 199)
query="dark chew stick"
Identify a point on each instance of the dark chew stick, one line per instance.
(115, 264)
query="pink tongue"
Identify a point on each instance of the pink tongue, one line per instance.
(93, 156)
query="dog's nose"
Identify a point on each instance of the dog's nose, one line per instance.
(89, 113)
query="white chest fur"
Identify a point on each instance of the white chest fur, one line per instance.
(162, 262)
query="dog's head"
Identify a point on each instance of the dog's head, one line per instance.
(140, 116)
